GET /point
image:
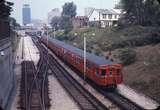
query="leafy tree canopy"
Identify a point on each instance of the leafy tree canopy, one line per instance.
(5, 9)
(69, 9)
(141, 12)
(56, 22)
(66, 24)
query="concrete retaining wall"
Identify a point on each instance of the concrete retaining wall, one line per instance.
(7, 79)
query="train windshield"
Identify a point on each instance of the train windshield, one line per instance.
(110, 71)
(103, 72)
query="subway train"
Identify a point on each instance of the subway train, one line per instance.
(105, 73)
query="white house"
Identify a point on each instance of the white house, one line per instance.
(103, 17)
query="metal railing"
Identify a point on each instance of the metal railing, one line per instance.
(4, 41)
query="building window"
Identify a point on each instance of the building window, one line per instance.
(115, 16)
(104, 16)
(110, 16)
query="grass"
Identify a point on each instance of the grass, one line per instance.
(109, 39)
(143, 73)
(128, 43)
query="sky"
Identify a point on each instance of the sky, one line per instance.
(40, 8)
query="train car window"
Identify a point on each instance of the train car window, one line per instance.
(103, 72)
(96, 71)
(110, 71)
(87, 65)
(72, 55)
(78, 60)
(65, 51)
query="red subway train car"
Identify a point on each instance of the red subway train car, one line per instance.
(103, 72)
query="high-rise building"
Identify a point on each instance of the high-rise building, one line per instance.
(26, 14)
(54, 13)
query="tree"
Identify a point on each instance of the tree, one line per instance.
(13, 23)
(133, 11)
(56, 22)
(68, 13)
(66, 24)
(152, 12)
(69, 9)
(5, 9)
(141, 12)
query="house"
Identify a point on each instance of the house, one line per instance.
(103, 17)
(80, 21)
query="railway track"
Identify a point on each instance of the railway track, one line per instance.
(122, 102)
(82, 97)
(59, 71)
(34, 86)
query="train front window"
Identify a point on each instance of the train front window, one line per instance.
(87, 65)
(110, 71)
(103, 72)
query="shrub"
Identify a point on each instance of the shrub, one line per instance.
(97, 51)
(127, 55)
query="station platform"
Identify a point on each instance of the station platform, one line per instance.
(138, 98)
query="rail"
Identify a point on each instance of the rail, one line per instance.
(84, 99)
(4, 41)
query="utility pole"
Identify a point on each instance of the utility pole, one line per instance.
(99, 20)
(54, 32)
(84, 57)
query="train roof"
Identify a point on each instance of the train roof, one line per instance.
(91, 57)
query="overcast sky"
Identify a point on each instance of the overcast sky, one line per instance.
(40, 8)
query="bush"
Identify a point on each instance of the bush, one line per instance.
(127, 56)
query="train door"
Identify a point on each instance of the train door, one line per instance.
(72, 59)
(78, 63)
(96, 74)
(89, 69)
(103, 75)
(64, 54)
(111, 78)
(119, 76)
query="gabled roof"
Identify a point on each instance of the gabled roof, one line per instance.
(106, 11)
